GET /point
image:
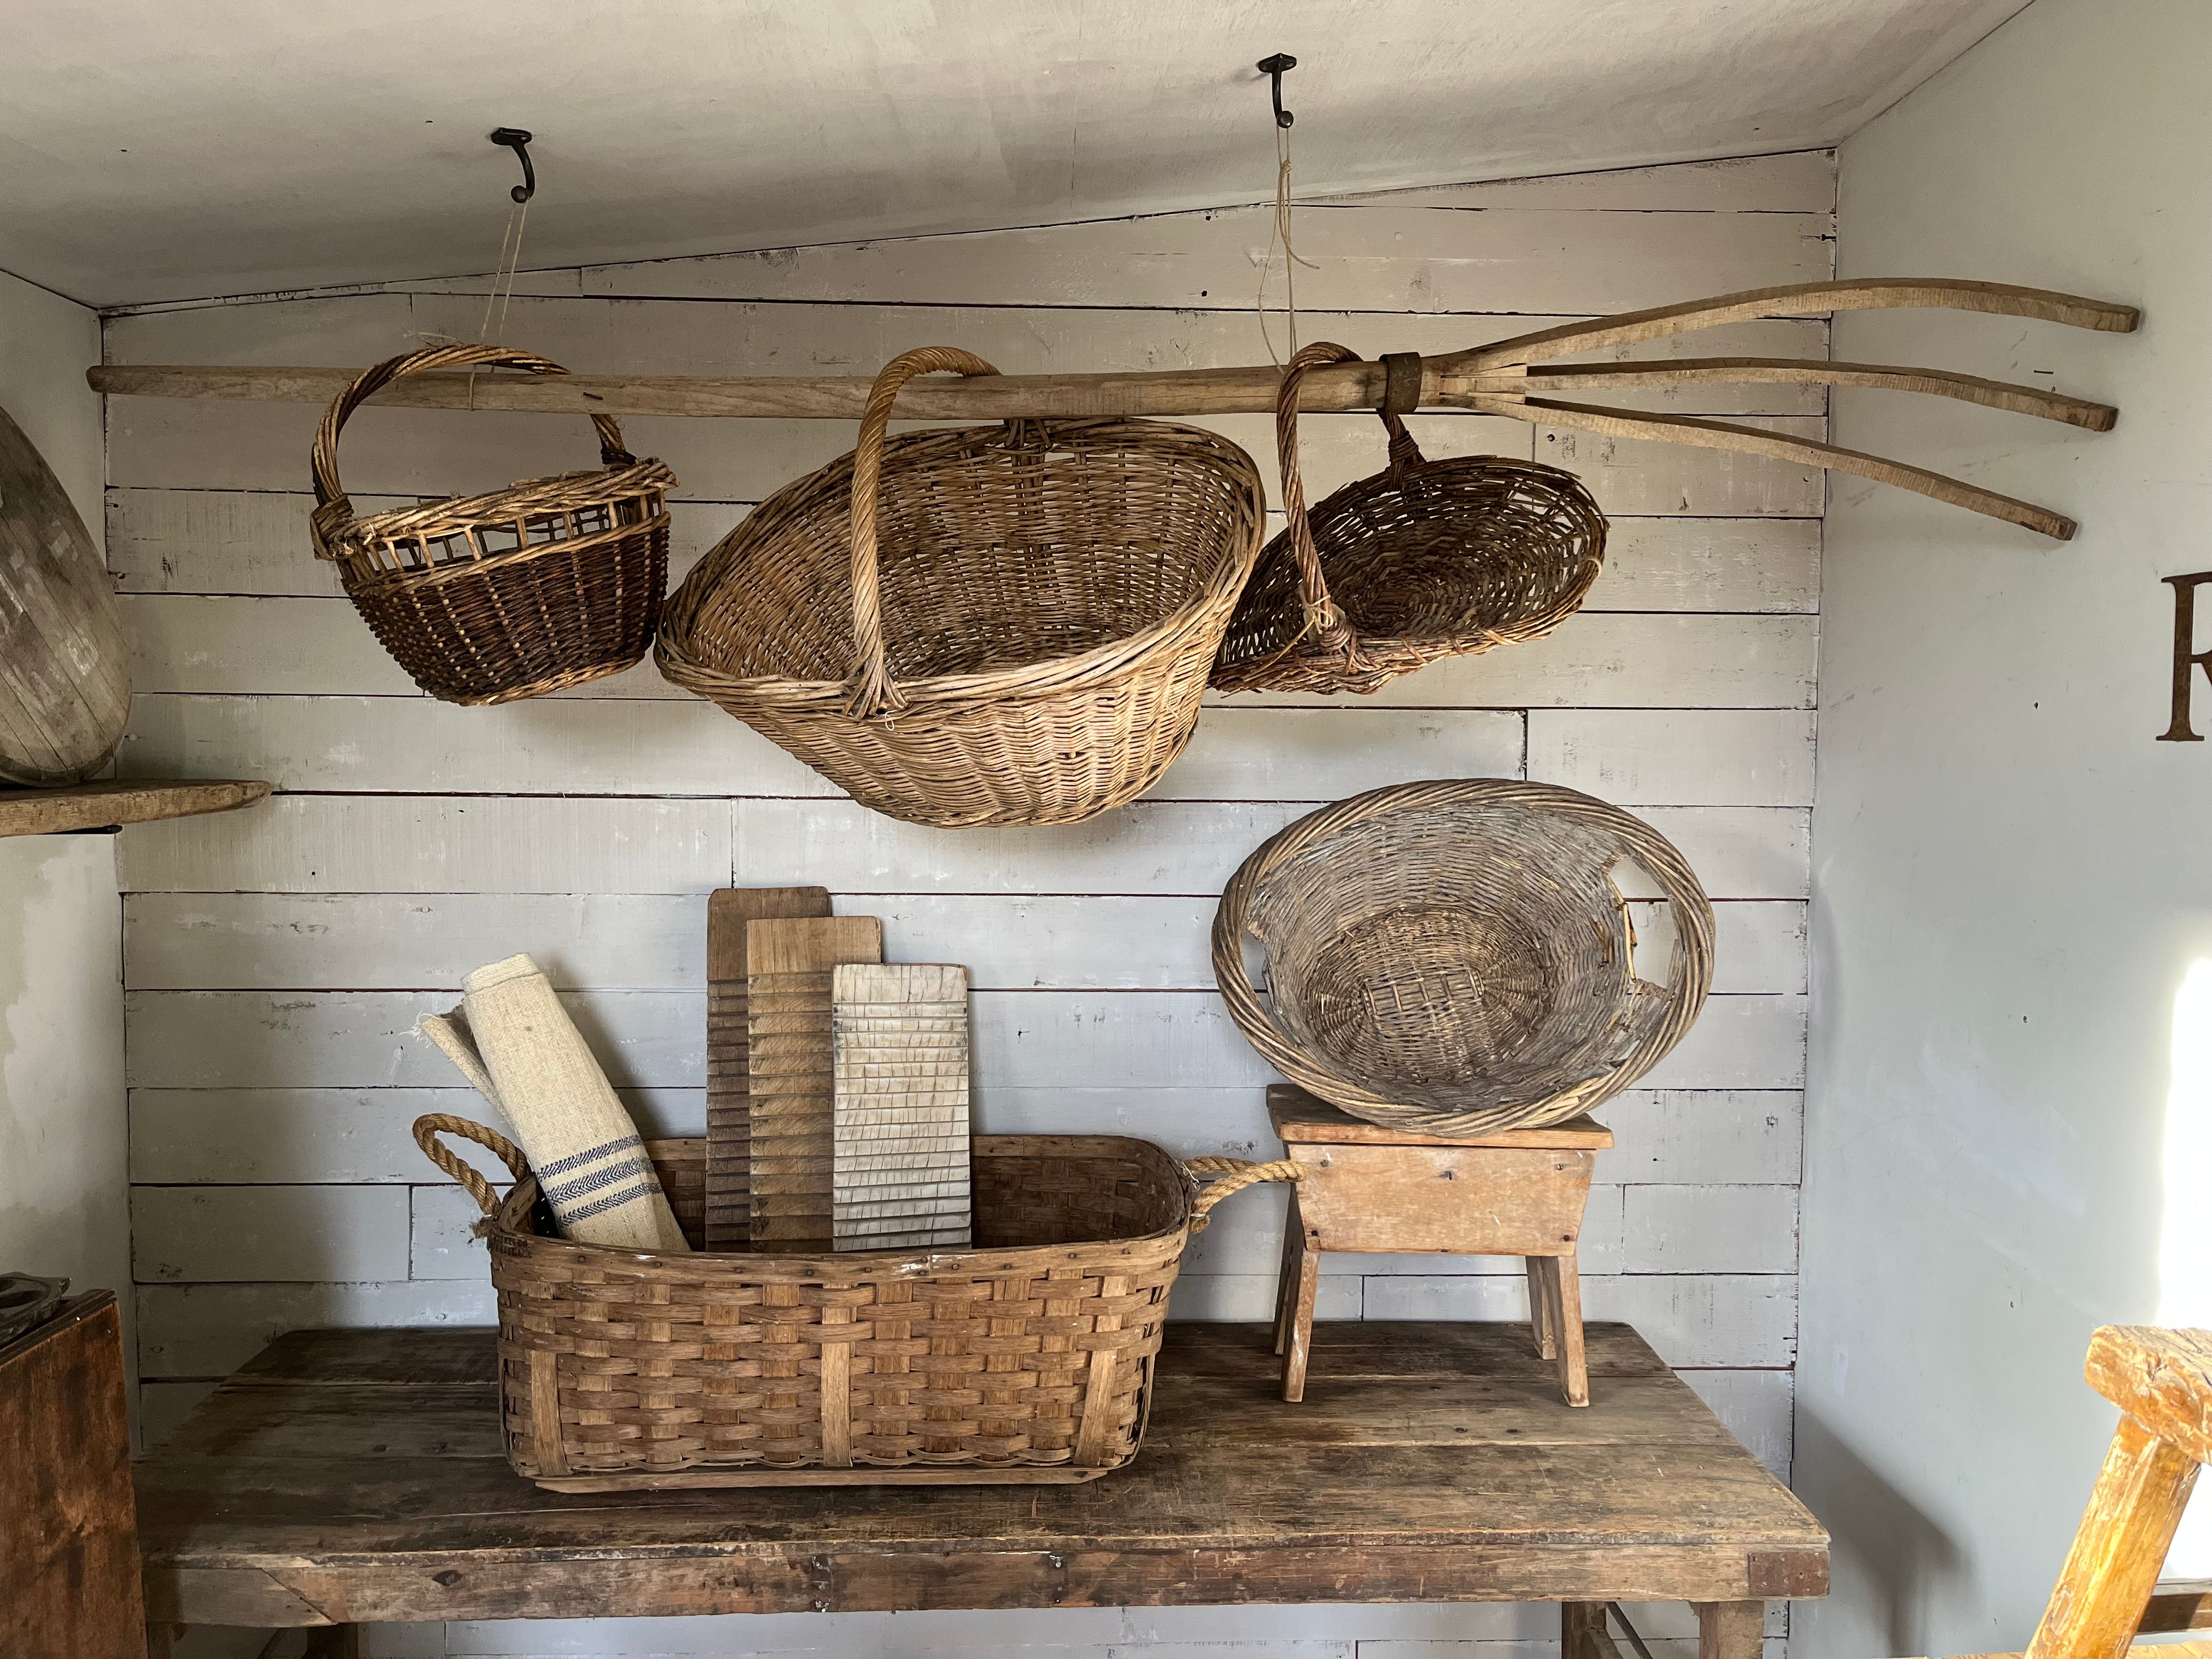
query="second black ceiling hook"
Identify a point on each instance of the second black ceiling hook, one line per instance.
(1272, 68)
(519, 141)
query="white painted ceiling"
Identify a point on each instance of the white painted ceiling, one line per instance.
(169, 148)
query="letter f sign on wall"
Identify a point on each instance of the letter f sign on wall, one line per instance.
(2184, 659)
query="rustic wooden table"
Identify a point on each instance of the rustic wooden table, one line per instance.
(352, 1477)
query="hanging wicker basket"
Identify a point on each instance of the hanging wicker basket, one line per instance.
(990, 625)
(1424, 561)
(1027, 1358)
(1454, 957)
(489, 599)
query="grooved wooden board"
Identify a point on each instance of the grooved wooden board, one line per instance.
(900, 1177)
(64, 664)
(790, 1065)
(729, 1084)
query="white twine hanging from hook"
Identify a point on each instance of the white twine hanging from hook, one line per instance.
(1280, 232)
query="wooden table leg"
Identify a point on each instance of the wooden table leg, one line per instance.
(1582, 1634)
(1566, 1287)
(1731, 1629)
(1541, 1298)
(1302, 1317)
(1286, 1276)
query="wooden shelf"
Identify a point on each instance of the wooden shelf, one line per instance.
(121, 800)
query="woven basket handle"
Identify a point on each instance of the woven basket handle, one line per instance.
(1235, 1174)
(330, 492)
(429, 1127)
(1325, 621)
(873, 694)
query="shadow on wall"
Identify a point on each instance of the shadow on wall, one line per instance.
(1897, 1555)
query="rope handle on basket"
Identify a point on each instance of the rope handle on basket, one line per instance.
(1235, 1174)
(873, 694)
(1322, 615)
(332, 506)
(431, 1125)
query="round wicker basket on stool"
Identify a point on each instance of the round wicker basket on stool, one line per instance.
(1454, 957)
(489, 599)
(1424, 561)
(989, 625)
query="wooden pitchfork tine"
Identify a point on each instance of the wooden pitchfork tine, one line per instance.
(1496, 379)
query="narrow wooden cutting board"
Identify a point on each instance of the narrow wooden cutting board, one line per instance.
(790, 1058)
(729, 1084)
(65, 663)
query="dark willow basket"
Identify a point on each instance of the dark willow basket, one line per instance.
(489, 599)
(1422, 560)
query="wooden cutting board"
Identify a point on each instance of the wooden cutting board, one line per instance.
(65, 663)
(788, 965)
(900, 1175)
(729, 1085)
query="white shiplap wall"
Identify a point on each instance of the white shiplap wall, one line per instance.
(276, 960)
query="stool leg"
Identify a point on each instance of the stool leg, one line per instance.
(1566, 1286)
(1286, 1276)
(1541, 1296)
(1301, 1316)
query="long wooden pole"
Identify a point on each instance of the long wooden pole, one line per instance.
(1496, 379)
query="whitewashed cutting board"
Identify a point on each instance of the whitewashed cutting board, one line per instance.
(64, 664)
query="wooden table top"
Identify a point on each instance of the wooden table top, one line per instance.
(358, 1476)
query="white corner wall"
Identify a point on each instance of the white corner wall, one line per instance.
(2010, 876)
(64, 1187)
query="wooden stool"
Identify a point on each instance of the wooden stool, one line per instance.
(1366, 1187)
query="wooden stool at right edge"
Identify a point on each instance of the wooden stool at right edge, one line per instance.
(1363, 1187)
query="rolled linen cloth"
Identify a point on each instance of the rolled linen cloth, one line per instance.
(512, 1033)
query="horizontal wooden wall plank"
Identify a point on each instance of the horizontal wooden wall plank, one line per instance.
(302, 1136)
(1758, 1407)
(1023, 1039)
(1653, 758)
(1633, 475)
(255, 542)
(1372, 256)
(1715, 1319)
(392, 941)
(207, 1235)
(1717, 1230)
(320, 647)
(210, 1330)
(442, 1243)
(326, 844)
(1167, 847)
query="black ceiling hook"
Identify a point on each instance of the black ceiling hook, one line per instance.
(1272, 68)
(519, 141)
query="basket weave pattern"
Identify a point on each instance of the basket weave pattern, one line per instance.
(488, 598)
(990, 625)
(1034, 1350)
(1454, 956)
(1424, 561)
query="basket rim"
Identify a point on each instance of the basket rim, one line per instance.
(1386, 657)
(508, 1225)
(941, 693)
(1691, 976)
(609, 484)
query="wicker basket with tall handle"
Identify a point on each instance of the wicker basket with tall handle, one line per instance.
(989, 625)
(1454, 956)
(1027, 1358)
(488, 598)
(1422, 560)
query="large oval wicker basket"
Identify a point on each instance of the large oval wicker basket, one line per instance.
(1454, 957)
(989, 625)
(489, 599)
(1027, 1359)
(1424, 561)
